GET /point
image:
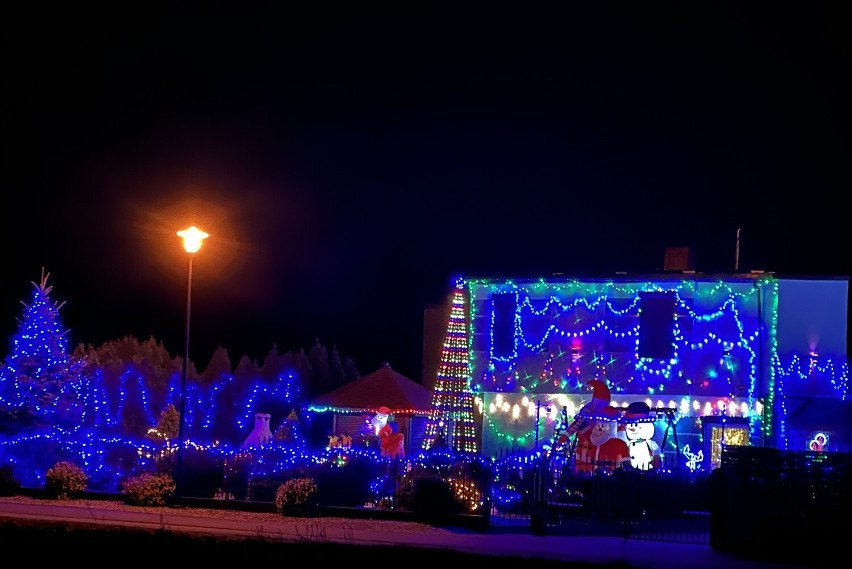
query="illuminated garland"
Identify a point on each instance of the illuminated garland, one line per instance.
(729, 335)
(573, 321)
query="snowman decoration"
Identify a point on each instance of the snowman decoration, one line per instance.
(261, 434)
(643, 450)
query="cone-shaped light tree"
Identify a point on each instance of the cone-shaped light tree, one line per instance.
(451, 420)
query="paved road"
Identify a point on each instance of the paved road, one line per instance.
(604, 550)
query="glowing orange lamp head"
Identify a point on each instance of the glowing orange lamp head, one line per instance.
(192, 238)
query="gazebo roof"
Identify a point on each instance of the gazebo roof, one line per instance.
(382, 388)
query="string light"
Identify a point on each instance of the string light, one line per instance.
(592, 334)
(564, 332)
(452, 417)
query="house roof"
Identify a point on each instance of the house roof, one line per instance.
(383, 387)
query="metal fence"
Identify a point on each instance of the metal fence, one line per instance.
(550, 496)
(758, 498)
(789, 504)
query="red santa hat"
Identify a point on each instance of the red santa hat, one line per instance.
(600, 400)
(600, 390)
(610, 413)
(384, 410)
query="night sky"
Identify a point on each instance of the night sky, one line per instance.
(349, 162)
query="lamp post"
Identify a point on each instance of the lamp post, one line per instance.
(192, 238)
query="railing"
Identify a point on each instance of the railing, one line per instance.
(781, 503)
(780, 491)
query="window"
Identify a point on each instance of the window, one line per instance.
(503, 325)
(656, 324)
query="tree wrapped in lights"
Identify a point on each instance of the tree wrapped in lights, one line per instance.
(167, 426)
(451, 421)
(289, 433)
(37, 382)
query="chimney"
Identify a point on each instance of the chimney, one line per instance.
(679, 259)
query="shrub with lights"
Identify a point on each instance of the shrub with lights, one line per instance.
(296, 497)
(149, 489)
(65, 480)
(432, 499)
(468, 477)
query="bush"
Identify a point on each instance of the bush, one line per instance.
(348, 485)
(202, 473)
(432, 500)
(149, 489)
(9, 485)
(65, 480)
(296, 497)
(262, 489)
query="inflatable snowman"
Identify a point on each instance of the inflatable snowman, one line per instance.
(643, 450)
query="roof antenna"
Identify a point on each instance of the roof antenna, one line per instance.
(737, 254)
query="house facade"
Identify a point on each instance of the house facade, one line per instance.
(754, 359)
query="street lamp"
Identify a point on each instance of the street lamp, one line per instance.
(192, 238)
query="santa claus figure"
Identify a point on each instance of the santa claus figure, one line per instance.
(380, 422)
(391, 444)
(591, 411)
(596, 410)
(584, 452)
(610, 451)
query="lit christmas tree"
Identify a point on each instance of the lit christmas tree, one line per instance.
(38, 379)
(167, 427)
(451, 422)
(289, 433)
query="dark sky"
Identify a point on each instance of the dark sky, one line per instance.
(351, 161)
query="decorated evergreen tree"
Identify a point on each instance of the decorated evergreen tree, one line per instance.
(167, 426)
(451, 420)
(288, 433)
(37, 382)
